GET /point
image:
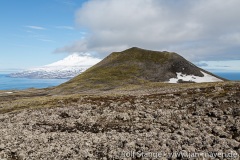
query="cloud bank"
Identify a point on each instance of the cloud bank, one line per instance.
(220, 66)
(198, 30)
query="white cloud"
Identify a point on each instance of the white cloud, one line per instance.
(66, 2)
(79, 46)
(198, 30)
(65, 27)
(36, 27)
(46, 40)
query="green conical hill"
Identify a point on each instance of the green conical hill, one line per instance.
(132, 66)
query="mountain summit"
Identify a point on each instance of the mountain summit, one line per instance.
(137, 66)
(68, 67)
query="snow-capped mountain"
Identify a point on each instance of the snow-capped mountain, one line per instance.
(66, 68)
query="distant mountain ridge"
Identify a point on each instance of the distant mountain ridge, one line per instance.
(66, 68)
(139, 66)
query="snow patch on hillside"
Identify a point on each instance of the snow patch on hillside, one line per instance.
(192, 78)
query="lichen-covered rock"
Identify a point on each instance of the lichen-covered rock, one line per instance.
(127, 126)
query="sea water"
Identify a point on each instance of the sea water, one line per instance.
(9, 83)
(234, 76)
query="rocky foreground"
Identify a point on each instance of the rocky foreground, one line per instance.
(187, 123)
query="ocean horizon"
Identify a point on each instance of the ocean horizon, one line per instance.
(9, 83)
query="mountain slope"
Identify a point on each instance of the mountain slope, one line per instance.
(137, 66)
(69, 67)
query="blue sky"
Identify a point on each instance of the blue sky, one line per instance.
(32, 29)
(39, 32)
